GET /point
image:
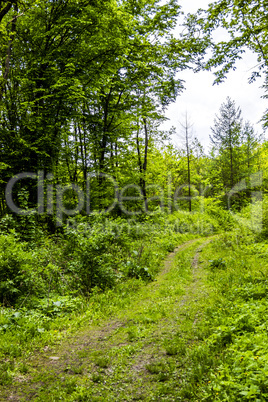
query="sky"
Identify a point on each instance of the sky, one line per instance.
(201, 100)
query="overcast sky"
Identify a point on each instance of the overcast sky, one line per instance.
(202, 100)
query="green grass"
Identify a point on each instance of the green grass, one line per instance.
(48, 320)
(146, 315)
(52, 289)
(237, 320)
(197, 333)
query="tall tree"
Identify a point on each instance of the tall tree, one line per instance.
(227, 137)
(60, 47)
(72, 98)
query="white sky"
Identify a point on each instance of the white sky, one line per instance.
(202, 100)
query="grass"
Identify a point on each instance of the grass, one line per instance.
(237, 322)
(24, 330)
(197, 333)
(143, 317)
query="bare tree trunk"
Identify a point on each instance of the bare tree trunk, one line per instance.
(186, 127)
(144, 168)
(83, 154)
(143, 164)
(3, 12)
(231, 158)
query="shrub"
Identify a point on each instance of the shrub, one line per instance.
(93, 261)
(15, 276)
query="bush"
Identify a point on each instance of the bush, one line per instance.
(94, 260)
(15, 273)
(27, 274)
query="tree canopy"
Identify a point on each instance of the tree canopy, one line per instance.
(85, 85)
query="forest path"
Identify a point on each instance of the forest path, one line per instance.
(139, 355)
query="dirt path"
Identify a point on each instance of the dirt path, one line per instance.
(132, 357)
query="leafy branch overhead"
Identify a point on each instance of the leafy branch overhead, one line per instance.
(245, 26)
(91, 69)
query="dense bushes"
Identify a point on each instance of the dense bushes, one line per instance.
(27, 274)
(17, 269)
(96, 251)
(93, 258)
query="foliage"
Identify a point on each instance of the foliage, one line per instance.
(83, 91)
(234, 156)
(51, 280)
(16, 263)
(244, 24)
(83, 78)
(235, 323)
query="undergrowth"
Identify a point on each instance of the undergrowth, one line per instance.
(230, 360)
(47, 284)
(52, 285)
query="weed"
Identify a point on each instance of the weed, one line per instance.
(103, 362)
(217, 264)
(163, 377)
(133, 333)
(24, 368)
(77, 369)
(96, 377)
(156, 367)
(70, 386)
